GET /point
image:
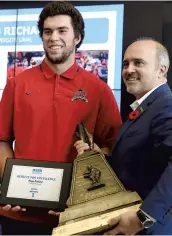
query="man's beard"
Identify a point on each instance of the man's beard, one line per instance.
(62, 58)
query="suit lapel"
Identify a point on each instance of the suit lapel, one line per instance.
(142, 109)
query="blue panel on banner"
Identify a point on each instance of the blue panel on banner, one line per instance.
(96, 30)
(8, 12)
(29, 11)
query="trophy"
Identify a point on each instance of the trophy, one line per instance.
(96, 194)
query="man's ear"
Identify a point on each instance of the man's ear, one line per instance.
(77, 39)
(163, 70)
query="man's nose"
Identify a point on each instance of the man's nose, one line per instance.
(55, 35)
(130, 68)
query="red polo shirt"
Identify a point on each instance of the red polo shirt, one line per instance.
(40, 110)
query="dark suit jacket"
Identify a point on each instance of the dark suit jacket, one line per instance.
(142, 155)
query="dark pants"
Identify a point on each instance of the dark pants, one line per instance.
(16, 227)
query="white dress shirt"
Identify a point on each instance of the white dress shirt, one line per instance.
(137, 103)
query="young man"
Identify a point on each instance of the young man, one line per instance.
(141, 156)
(41, 108)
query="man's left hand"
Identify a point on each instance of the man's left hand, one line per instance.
(54, 213)
(127, 223)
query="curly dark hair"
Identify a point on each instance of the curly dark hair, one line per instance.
(63, 8)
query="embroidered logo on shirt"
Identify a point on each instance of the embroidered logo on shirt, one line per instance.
(80, 95)
(28, 93)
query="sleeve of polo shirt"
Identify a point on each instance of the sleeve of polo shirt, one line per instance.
(109, 119)
(6, 112)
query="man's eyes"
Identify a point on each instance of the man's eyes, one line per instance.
(138, 63)
(49, 32)
(62, 31)
(125, 65)
(135, 63)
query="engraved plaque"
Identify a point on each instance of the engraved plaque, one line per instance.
(79, 192)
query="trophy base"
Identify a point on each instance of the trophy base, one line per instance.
(92, 224)
(92, 216)
(98, 206)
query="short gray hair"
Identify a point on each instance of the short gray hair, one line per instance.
(161, 50)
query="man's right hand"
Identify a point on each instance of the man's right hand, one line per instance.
(13, 209)
(81, 147)
(10, 208)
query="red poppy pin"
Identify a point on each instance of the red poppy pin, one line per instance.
(134, 115)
